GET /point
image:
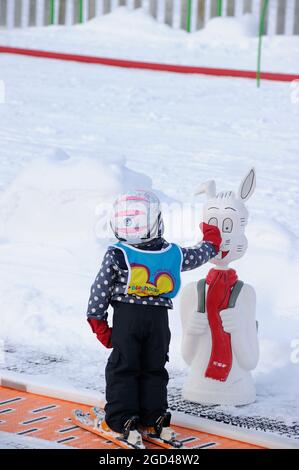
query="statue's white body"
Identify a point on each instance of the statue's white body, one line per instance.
(228, 212)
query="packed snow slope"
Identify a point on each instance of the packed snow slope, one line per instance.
(124, 34)
(74, 135)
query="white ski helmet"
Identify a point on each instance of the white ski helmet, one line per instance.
(136, 217)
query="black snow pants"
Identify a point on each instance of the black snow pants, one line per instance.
(136, 378)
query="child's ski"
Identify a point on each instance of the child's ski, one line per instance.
(149, 436)
(94, 423)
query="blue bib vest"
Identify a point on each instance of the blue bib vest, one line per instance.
(153, 273)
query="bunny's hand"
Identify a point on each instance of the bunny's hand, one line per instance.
(198, 323)
(231, 320)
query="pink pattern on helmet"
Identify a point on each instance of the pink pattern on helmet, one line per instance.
(133, 198)
(129, 212)
(132, 230)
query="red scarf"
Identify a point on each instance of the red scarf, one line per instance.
(220, 286)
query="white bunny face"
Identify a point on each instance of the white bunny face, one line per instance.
(227, 211)
(230, 215)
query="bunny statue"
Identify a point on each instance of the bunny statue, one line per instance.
(220, 341)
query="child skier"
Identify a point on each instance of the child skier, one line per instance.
(139, 276)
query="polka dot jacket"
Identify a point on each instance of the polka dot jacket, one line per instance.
(110, 283)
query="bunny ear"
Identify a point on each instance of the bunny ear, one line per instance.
(247, 186)
(208, 188)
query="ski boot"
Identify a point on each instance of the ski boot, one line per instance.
(131, 435)
(130, 438)
(161, 433)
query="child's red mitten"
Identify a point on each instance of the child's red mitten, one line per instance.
(102, 330)
(211, 234)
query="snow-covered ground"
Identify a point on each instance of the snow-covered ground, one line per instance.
(125, 34)
(74, 135)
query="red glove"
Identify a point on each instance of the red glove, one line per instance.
(102, 330)
(211, 234)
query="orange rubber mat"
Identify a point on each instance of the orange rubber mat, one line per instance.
(49, 418)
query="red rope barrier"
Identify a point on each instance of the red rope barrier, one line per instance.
(218, 72)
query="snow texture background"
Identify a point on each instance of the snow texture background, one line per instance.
(74, 135)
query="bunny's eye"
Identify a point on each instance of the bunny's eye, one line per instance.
(213, 221)
(227, 226)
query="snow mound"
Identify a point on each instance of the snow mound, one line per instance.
(128, 22)
(230, 29)
(54, 199)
